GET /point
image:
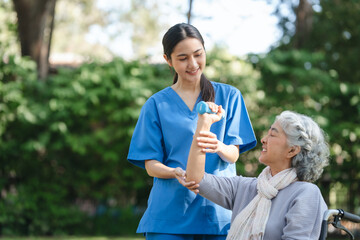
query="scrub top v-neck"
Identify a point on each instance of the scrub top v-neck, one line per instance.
(164, 132)
(182, 105)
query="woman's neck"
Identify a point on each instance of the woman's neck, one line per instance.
(187, 88)
(275, 171)
(188, 93)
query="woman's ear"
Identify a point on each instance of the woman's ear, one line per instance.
(294, 150)
(167, 60)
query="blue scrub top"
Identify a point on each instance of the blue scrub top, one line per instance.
(164, 132)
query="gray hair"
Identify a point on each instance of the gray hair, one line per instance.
(304, 132)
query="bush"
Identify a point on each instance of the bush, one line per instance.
(64, 144)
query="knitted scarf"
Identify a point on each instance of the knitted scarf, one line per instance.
(251, 221)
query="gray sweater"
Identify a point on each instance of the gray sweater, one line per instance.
(296, 212)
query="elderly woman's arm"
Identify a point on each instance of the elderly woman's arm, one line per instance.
(196, 161)
(220, 190)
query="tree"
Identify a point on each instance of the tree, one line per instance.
(304, 23)
(189, 14)
(143, 19)
(332, 32)
(336, 33)
(41, 31)
(35, 27)
(8, 33)
(75, 19)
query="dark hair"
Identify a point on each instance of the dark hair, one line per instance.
(172, 37)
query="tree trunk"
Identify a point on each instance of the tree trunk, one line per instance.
(35, 24)
(189, 12)
(304, 21)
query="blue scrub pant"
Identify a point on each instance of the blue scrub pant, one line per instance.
(162, 236)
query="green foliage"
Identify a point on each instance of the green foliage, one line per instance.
(335, 37)
(64, 145)
(73, 238)
(223, 67)
(64, 142)
(338, 36)
(295, 80)
(8, 29)
(299, 80)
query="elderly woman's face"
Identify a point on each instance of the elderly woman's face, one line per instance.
(275, 149)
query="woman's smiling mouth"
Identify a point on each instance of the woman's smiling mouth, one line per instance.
(193, 72)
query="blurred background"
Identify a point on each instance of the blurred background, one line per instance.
(75, 74)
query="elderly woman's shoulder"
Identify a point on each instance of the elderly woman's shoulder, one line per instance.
(304, 188)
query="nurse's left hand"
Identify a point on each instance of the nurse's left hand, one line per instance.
(180, 175)
(209, 143)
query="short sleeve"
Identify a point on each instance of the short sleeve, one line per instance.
(146, 142)
(238, 127)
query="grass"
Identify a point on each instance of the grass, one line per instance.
(72, 238)
(98, 238)
(104, 238)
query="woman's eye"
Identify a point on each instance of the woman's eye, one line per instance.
(182, 59)
(198, 55)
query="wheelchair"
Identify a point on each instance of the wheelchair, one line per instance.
(334, 217)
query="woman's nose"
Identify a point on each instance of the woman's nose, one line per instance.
(192, 62)
(263, 140)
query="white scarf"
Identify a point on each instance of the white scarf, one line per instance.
(251, 221)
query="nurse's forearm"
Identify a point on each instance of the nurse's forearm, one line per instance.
(156, 169)
(195, 168)
(229, 153)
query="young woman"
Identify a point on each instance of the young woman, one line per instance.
(281, 203)
(163, 136)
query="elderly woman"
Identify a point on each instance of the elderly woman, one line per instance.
(281, 203)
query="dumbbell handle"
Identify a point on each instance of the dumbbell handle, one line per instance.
(202, 107)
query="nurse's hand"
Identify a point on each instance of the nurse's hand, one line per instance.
(208, 142)
(180, 175)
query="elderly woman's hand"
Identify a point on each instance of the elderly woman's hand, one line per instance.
(212, 118)
(180, 175)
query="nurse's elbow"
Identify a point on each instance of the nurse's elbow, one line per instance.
(149, 172)
(149, 167)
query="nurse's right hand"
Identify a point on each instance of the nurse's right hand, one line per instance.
(180, 175)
